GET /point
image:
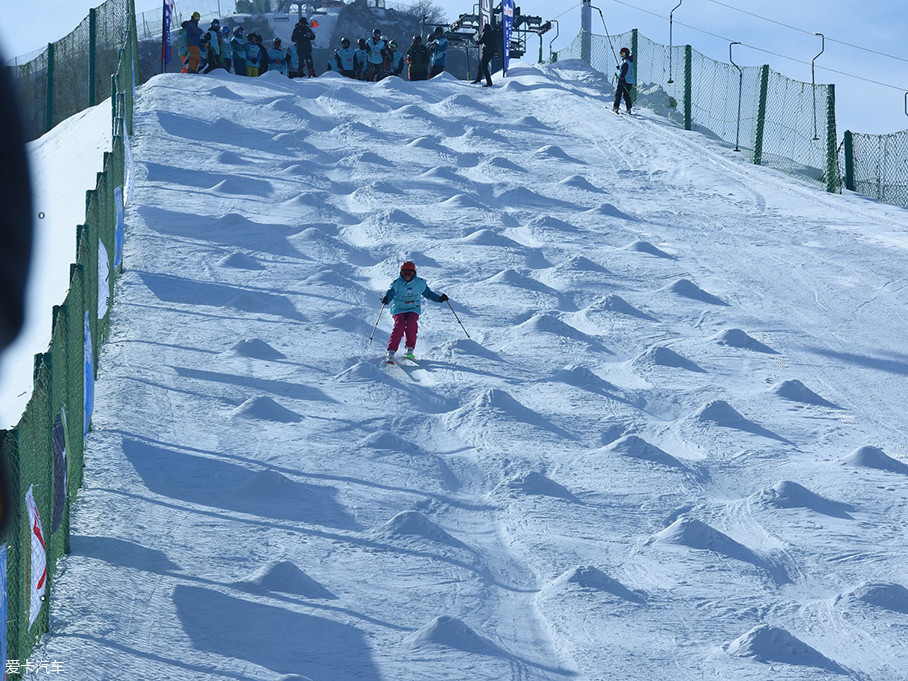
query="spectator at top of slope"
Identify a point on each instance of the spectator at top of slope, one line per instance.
(418, 59)
(488, 40)
(302, 37)
(627, 78)
(438, 47)
(193, 42)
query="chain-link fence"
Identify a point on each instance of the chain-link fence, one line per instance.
(41, 458)
(72, 73)
(779, 122)
(877, 165)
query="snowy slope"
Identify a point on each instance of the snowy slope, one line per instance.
(674, 447)
(64, 164)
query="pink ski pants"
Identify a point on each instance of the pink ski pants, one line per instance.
(404, 323)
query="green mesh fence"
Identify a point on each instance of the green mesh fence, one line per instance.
(74, 72)
(877, 165)
(44, 453)
(783, 123)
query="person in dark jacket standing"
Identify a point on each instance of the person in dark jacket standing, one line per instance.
(627, 78)
(488, 40)
(418, 59)
(193, 42)
(302, 37)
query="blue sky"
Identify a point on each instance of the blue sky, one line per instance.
(862, 106)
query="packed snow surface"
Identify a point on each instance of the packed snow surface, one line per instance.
(673, 445)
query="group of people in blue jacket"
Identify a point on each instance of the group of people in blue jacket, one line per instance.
(380, 57)
(203, 51)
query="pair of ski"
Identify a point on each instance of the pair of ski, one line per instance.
(391, 360)
(618, 113)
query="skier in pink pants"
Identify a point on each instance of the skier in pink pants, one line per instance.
(405, 296)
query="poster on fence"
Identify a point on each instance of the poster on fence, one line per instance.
(38, 564)
(507, 26)
(88, 389)
(60, 470)
(103, 280)
(129, 168)
(120, 233)
(3, 608)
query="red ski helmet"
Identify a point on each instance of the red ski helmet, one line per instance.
(624, 50)
(408, 266)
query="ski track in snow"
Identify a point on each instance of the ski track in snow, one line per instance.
(675, 441)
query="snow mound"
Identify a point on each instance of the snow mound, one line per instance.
(530, 122)
(796, 391)
(347, 322)
(548, 224)
(285, 105)
(579, 263)
(544, 323)
(511, 277)
(580, 182)
(787, 494)
(688, 289)
(451, 632)
(886, 595)
(619, 305)
(230, 158)
(362, 372)
(610, 210)
(361, 157)
(306, 200)
(386, 440)
(297, 170)
(224, 92)
(721, 413)
(494, 407)
(285, 577)
(266, 409)
(462, 201)
(462, 100)
(636, 447)
(486, 237)
(647, 247)
(249, 301)
(468, 346)
(426, 143)
(554, 151)
(287, 140)
(356, 129)
(736, 338)
(536, 483)
(415, 111)
(501, 163)
(523, 196)
(588, 577)
(255, 348)
(659, 355)
(874, 457)
(443, 174)
(695, 534)
(772, 644)
(413, 524)
(239, 186)
(581, 377)
(240, 261)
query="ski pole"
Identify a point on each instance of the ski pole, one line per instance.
(458, 320)
(376, 322)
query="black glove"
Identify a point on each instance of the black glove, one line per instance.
(385, 300)
(443, 298)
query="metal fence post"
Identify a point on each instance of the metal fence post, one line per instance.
(849, 160)
(761, 116)
(49, 108)
(740, 92)
(92, 54)
(832, 156)
(688, 85)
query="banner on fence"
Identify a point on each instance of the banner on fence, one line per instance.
(507, 25)
(165, 44)
(120, 231)
(103, 280)
(3, 608)
(129, 169)
(88, 393)
(38, 567)
(61, 472)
